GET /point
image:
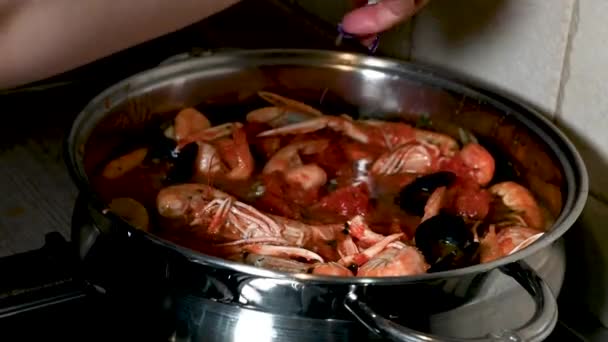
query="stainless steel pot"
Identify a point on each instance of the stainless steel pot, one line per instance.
(212, 294)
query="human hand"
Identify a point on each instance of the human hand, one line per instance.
(370, 20)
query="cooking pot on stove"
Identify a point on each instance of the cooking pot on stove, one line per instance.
(208, 298)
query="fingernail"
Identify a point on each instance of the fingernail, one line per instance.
(375, 44)
(343, 33)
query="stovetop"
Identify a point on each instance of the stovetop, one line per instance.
(65, 308)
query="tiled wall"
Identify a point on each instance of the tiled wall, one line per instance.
(552, 54)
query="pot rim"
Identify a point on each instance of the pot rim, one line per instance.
(575, 172)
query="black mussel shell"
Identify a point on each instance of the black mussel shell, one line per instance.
(163, 148)
(458, 258)
(413, 197)
(180, 161)
(183, 164)
(445, 238)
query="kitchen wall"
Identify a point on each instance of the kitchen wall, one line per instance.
(551, 54)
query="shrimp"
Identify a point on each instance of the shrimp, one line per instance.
(447, 145)
(521, 202)
(434, 204)
(237, 155)
(308, 177)
(509, 240)
(283, 112)
(123, 164)
(336, 123)
(208, 161)
(464, 199)
(288, 157)
(231, 158)
(189, 121)
(479, 161)
(238, 224)
(393, 262)
(328, 240)
(201, 204)
(287, 161)
(413, 157)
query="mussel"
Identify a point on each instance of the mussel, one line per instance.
(413, 197)
(181, 162)
(446, 242)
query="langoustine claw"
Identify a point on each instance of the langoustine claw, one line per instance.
(336, 123)
(293, 266)
(283, 112)
(283, 251)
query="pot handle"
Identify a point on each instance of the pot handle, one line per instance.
(537, 329)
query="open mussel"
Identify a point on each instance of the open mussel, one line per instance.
(446, 242)
(413, 197)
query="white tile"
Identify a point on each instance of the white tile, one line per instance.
(584, 110)
(587, 254)
(515, 45)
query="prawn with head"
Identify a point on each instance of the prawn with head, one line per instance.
(239, 228)
(222, 149)
(232, 224)
(370, 132)
(284, 111)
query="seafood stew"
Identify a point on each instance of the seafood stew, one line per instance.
(292, 189)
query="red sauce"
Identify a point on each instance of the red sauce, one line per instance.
(335, 202)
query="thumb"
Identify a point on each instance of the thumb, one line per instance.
(369, 20)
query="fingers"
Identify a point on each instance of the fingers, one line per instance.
(369, 20)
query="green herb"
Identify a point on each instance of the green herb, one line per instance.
(424, 121)
(466, 137)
